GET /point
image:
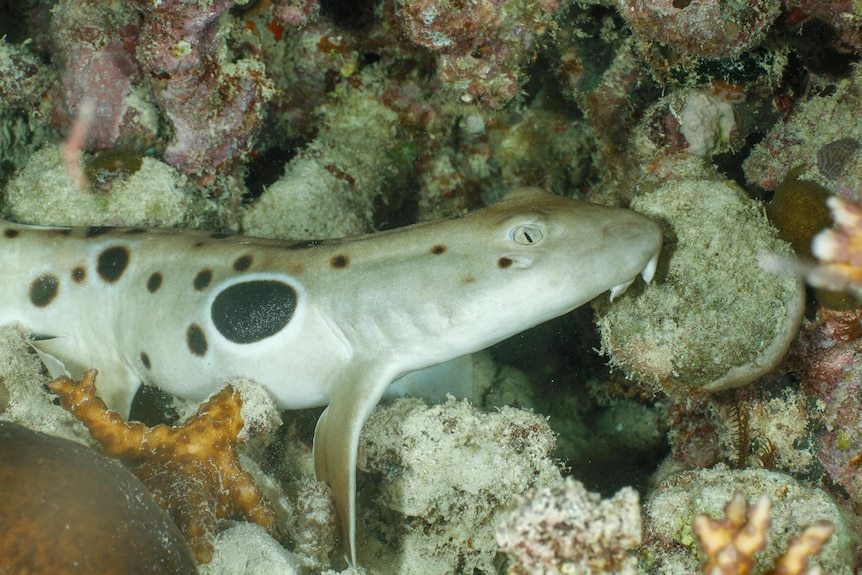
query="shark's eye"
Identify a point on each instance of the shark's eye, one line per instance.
(527, 235)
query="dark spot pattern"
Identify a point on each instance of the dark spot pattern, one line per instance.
(155, 282)
(203, 279)
(79, 274)
(504, 262)
(438, 249)
(145, 359)
(196, 340)
(112, 263)
(10, 233)
(254, 310)
(93, 231)
(219, 236)
(44, 289)
(135, 231)
(339, 261)
(242, 263)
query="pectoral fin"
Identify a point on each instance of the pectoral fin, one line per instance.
(117, 383)
(336, 440)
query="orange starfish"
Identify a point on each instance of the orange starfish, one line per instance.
(192, 470)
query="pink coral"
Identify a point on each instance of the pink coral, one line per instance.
(705, 28)
(214, 106)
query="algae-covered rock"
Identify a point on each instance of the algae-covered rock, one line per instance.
(673, 505)
(148, 192)
(714, 318)
(438, 480)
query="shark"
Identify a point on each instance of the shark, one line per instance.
(317, 323)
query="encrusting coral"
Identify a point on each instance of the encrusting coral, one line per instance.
(193, 470)
(730, 543)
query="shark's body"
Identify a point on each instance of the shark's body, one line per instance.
(316, 323)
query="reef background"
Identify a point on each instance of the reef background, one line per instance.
(298, 119)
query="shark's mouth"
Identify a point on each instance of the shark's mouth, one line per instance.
(647, 273)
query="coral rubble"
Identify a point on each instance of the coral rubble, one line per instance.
(566, 529)
(193, 470)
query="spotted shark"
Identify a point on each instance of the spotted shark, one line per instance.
(316, 323)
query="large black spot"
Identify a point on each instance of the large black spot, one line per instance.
(251, 311)
(112, 263)
(44, 289)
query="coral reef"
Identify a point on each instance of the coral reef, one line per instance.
(427, 471)
(192, 470)
(685, 334)
(213, 105)
(566, 529)
(730, 543)
(331, 188)
(819, 140)
(293, 118)
(147, 191)
(95, 46)
(66, 509)
(825, 358)
(671, 529)
(482, 45)
(707, 28)
(248, 548)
